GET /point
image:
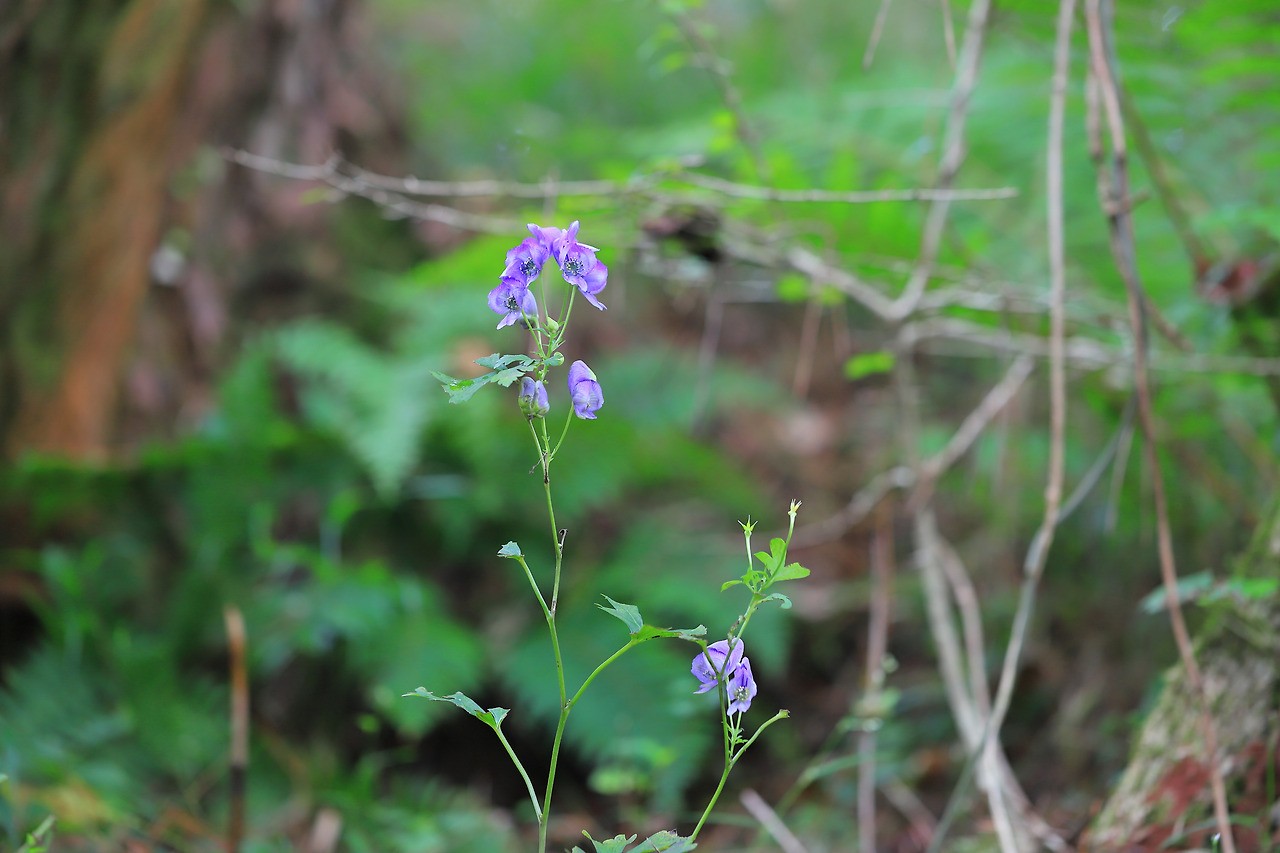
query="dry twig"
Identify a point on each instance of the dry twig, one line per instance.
(1114, 194)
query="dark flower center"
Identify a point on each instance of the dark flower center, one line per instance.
(573, 266)
(528, 267)
(513, 305)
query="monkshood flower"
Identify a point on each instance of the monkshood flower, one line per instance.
(525, 261)
(584, 391)
(724, 662)
(533, 398)
(513, 299)
(741, 688)
(579, 266)
(549, 236)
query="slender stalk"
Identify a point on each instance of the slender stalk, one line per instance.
(599, 669)
(528, 783)
(555, 755)
(568, 419)
(731, 759)
(543, 444)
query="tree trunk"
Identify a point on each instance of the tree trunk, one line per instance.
(94, 91)
(1162, 801)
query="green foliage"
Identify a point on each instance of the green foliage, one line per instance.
(662, 842)
(353, 515)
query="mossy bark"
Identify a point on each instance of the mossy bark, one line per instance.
(1163, 799)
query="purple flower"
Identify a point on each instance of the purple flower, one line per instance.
(533, 398)
(548, 237)
(513, 300)
(741, 688)
(579, 266)
(584, 391)
(525, 260)
(724, 662)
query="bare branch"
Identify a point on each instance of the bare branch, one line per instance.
(1120, 224)
(952, 157)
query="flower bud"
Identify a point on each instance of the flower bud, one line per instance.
(533, 398)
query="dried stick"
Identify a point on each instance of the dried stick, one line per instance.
(952, 157)
(728, 92)
(873, 682)
(768, 818)
(949, 32)
(1114, 196)
(877, 29)
(814, 196)
(1037, 555)
(239, 725)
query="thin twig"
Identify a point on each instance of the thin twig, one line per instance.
(1037, 556)
(728, 91)
(239, 726)
(882, 563)
(976, 421)
(815, 196)
(952, 156)
(1120, 227)
(768, 818)
(949, 32)
(877, 30)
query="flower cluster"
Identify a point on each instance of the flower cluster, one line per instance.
(513, 299)
(578, 265)
(727, 661)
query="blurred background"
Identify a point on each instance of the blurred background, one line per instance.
(216, 391)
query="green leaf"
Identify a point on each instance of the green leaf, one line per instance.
(778, 597)
(628, 613)
(501, 362)
(791, 572)
(773, 560)
(792, 287)
(665, 841)
(459, 390)
(1189, 588)
(728, 584)
(506, 377)
(511, 550)
(617, 844)
(868, 364)
(492, 718)
(648, 632)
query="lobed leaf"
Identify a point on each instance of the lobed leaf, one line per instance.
(628, 613)
(502, 362)
(492, 718)
(648, 632)
(778, 597)
(665, 841)
(791, 572)
(617, 844)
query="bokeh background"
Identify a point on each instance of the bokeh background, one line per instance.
(216, 391)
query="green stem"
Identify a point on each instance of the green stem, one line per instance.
(528, 783)
(543, 447)
(565, 708)
(731, 761)
(543, 819)
(728, 761)
(546, 611)
(724, 777)
(568, 419)
(599, 669)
